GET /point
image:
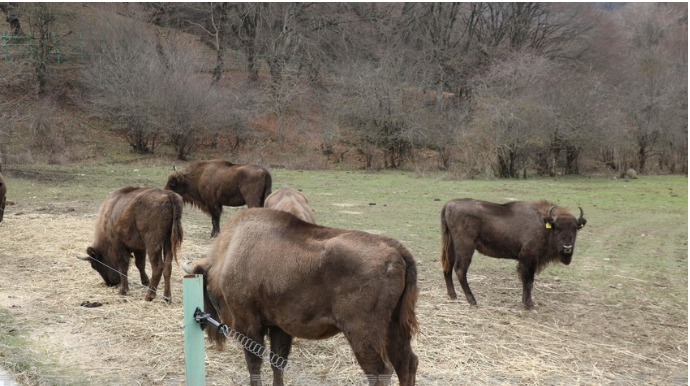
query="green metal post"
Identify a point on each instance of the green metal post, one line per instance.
(194, 355)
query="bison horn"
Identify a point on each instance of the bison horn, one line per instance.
(551, 213)
(82, 256)
(582, 213)
(187, 267)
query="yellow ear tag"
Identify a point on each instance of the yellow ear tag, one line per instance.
(548, 225)
(580, 226)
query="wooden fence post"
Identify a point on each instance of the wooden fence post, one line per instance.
(194, 355)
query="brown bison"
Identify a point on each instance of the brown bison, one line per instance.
(533, 233)
(211, 184)
(137, 221)
(270, 272)
(3, 193)
(292, 201)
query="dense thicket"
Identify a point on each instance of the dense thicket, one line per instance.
(484, 89)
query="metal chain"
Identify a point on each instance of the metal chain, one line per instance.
(254, 347)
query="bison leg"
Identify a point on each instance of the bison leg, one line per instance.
(167, 271)
(156, 272)
(140, 261)
(401, 356)
(215, 220)
(448, 276)
(369, 355)
(123, 267)
(463, 259)
(526, 272)
(252, 359)
(281, 343)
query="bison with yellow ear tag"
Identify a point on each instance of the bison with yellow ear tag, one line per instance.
(535, 233)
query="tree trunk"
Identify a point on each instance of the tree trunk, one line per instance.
(220, 64)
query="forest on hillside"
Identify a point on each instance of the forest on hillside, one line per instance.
(478, 89)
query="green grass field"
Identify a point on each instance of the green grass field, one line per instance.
(619, 310)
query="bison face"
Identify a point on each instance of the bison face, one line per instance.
(102, 266)
(177, 183)
(564, 229)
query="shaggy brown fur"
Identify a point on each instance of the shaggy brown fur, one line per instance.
(292, 201)
(271, 272)
(535, 233)
(3, 193)
(209, 185)
(137, 221)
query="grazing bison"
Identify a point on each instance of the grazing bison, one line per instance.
(292, 201)
(3, 192)
(270, 272)
(533, 233)
(211, 184)
(137, 221)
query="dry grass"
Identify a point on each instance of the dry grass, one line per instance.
(129, 341)
(576, 337)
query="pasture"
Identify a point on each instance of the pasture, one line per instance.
(617, 315)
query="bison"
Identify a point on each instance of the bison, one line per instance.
(137, 221)
(211, 184)
(271, 272)
(292, 201)
(535, 233)
(3, 192)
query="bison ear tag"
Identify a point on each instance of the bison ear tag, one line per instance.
(580, 226)
(548, 225)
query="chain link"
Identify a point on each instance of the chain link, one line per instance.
(254, 347)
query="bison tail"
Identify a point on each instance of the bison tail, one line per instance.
(406, 305)
(211, 307)
(446, 243)
(176, 234)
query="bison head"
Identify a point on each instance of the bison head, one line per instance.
(177, 182)
(102, 266)
(564, 229)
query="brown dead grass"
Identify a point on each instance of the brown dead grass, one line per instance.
(572, 339)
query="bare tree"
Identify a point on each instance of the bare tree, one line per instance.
(41, 19)
(151, 87)
(653, 87)
(124, 80)
(11, 11)
(191, 109)
(509, 112)
(372, 112)
(212, 20)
